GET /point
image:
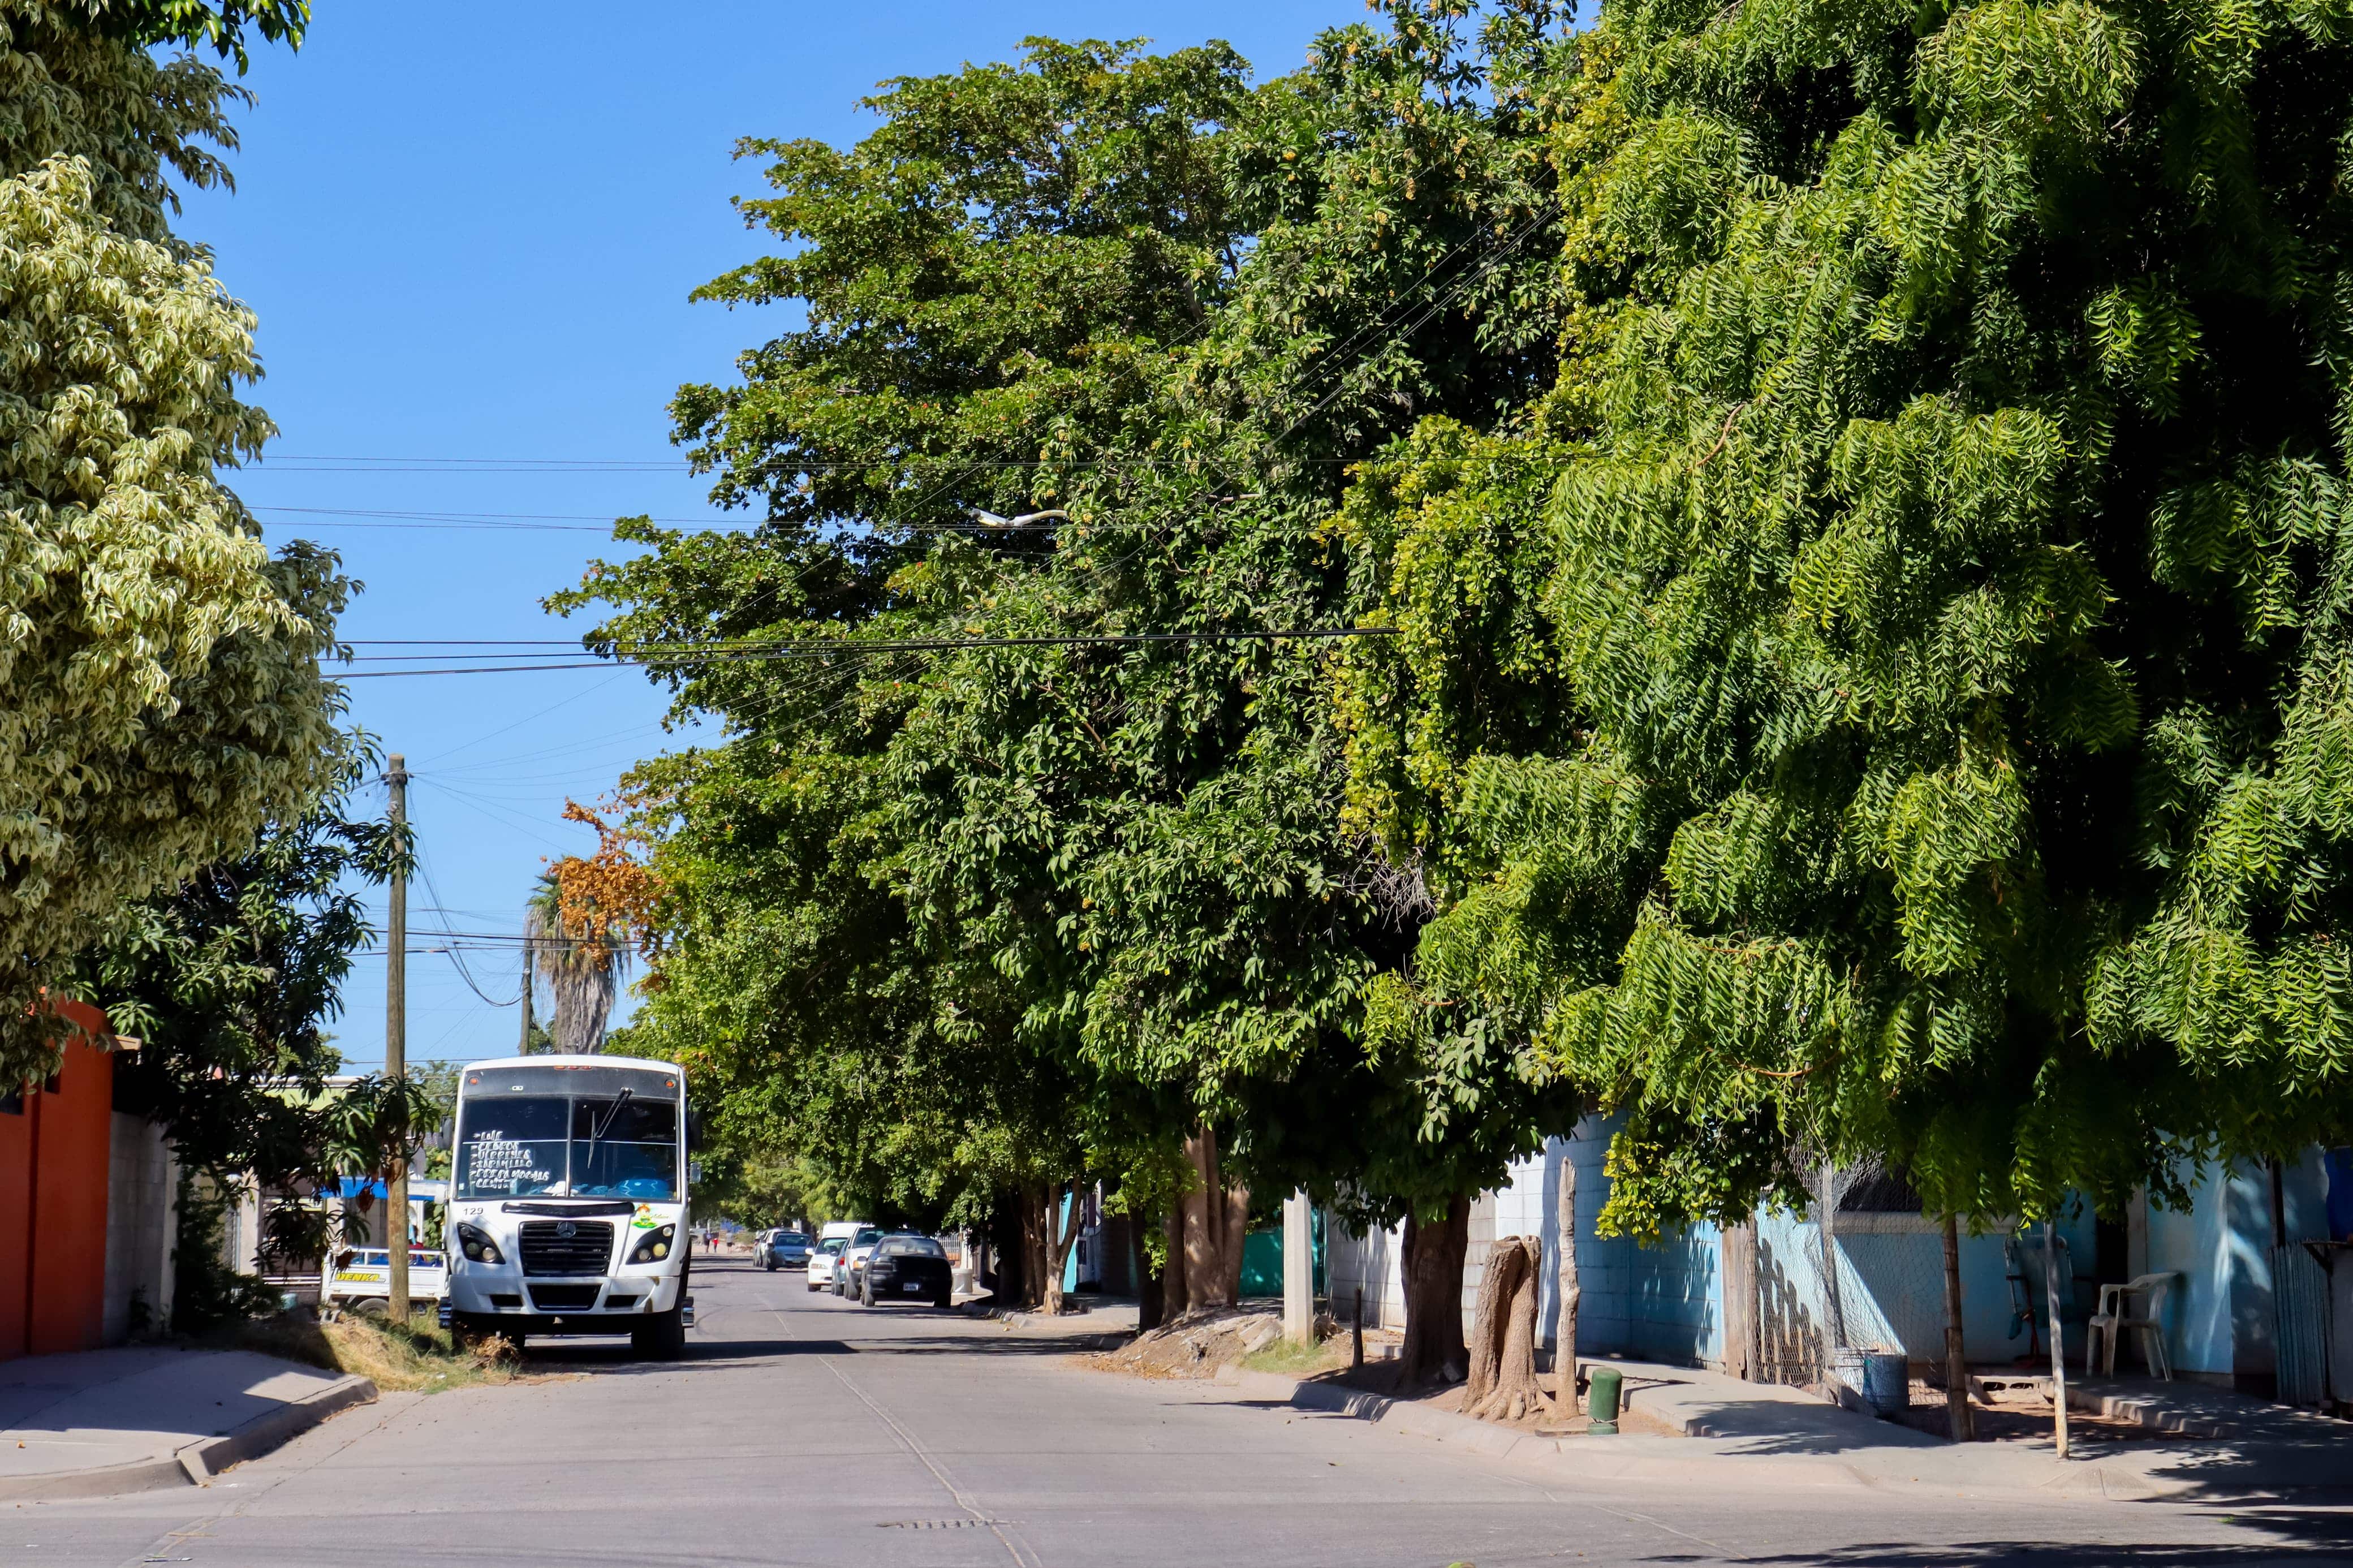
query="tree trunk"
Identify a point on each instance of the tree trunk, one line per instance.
(1033, 1247)
(1008, 1249)
(1503, 1385)
(2058, 1337)
(1216, 1218)
(1050, 1214)
(1564, 1353)
(1235, 1237)
(1433, 1349)
(1151, 1290)
(1486, 1345)
(1061, 1235)
(1960, 1423)
(1743, 1352)
(1172, 1300)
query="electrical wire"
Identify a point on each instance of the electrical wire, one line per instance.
(846, 649)
(425, 871)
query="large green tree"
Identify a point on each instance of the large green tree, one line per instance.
(983, 276)
(1121, 859)
(1916, 649)
(166, 698)
(232, 980)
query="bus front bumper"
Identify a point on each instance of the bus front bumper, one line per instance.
(582, 1305)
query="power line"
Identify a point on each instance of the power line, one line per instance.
(754, 653)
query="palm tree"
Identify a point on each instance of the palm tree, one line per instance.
(582, 961)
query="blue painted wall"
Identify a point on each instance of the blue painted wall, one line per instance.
(1663, 1302)
(2221, 1320)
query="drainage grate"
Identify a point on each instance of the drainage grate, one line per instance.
(937, 1523)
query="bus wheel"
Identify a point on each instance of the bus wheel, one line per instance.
(661, 1337)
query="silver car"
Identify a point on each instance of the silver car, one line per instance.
(853, 1259)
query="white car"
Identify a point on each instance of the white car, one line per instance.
(822, 1259)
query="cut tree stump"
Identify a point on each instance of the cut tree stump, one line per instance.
(1504, 1386)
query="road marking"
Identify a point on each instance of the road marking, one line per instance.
(1022, 1556)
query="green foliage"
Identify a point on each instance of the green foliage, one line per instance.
(231, 979)
(964, 921)
(79, 80)
(1908, 724)
(219, 24)
(205, 1290)
(167, 670)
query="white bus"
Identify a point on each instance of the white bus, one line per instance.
(567, 1201)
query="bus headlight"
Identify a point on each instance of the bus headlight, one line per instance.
(477, 1247)
(655, 1247)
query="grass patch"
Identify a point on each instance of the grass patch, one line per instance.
(1295, 1360)
(419, 1357)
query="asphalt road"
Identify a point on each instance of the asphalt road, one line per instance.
(801, 1429)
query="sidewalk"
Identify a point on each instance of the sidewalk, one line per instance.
(1684, 1423)
(105, 1422)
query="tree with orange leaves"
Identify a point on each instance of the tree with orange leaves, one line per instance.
(581, 926)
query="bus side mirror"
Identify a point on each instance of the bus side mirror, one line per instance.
(694, 1132)
(693, 1171)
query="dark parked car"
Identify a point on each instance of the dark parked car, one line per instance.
(906, 1268)
(784, 1249)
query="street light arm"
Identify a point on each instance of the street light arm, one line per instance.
(990, 520)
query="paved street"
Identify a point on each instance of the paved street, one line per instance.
(806, 1430)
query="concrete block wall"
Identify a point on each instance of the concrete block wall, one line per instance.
(1891, 1289)
(1374, 1264)
(1367, 1263)
(142, 1203)
(2219, 1324)
(1665, 1301)
(1662, 1302)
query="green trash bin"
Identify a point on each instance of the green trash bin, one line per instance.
(1601, 1391)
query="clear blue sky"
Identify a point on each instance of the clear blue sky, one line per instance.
(469, 234)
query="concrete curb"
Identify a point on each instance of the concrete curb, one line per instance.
(1589, 1458)
(203, 1459)
(1641, 1455)
(106, 1481)
(193, 1464)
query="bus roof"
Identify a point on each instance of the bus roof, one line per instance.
(553, 1060)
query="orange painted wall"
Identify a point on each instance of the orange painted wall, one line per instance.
(53, 1175)
(16, 1219)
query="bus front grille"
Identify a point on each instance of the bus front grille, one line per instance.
(546, 1250)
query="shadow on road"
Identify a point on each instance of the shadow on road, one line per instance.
(707, 1353)
(2294, 1534)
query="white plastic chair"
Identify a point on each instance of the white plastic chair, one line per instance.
(2111, 1320)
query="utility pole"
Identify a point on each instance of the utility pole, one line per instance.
(1298, 1269)
(395, 1052)
(525, 1049)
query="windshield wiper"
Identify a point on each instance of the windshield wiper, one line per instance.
(596, 1132)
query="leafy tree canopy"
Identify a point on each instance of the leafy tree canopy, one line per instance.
(1108, 877)
(231, 979)
(166, 698)
(1899, 694)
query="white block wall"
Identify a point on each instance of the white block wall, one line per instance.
(142, 1212)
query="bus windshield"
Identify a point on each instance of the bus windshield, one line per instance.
(601, 1132)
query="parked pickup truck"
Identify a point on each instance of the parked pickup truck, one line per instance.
(361, 1281)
